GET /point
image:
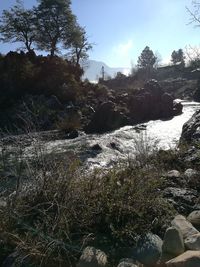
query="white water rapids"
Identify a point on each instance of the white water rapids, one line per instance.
(122, 143)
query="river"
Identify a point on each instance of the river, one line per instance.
(125, 142)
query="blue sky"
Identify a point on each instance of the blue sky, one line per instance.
(121, 29)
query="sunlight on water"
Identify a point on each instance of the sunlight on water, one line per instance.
(120, 144)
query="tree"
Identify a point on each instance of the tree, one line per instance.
(146, 62)
(17, 25)
(193, 56)
(79, 45)
(195, 13)
(147, 59)
(55, 23)
(178, 57)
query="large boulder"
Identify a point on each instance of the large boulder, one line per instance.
(194, 218)
(148, 250)
(193, 242)
(177, 108)
(154, 88)
(106, 118)
(191, 129)
(150, 103)
(185, 227)
(92, 257)
(166, 105)
(173, 242)
(188, 259)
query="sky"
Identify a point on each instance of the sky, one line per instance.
(120, 30)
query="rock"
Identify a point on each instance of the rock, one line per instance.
(167, 105)
(92, 257)
(185, 227)
(114, 145)
(177, 108)
(148, 250)
(96, 147)
(191, 129)
(3, 203)
(189, 173)
(73, 134)
(127, 263)
(106, 118)
(154, 88)
(173, 174)
(192, 176)
(174, 178)
(193, 242)
(194, 218)
(188, 259)
(173, 242)
(182, 199)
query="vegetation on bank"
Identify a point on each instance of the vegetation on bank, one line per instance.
(51, 208)
(57, 209)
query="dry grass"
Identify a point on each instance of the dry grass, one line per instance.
(63, 210)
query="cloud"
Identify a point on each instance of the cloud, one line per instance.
(121, 54)
(123, 49)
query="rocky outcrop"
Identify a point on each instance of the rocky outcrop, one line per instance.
(106, 118)
(191, 129)
(149, 103)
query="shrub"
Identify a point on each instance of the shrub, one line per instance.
(66, 210)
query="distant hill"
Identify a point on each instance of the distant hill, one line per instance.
(93, 70)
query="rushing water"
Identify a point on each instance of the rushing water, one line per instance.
(122, 143)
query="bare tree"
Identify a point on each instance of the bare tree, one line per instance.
(193, 55)
(194, 13)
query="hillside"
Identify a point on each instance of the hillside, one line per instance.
(93, 69)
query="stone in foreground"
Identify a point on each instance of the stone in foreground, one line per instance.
(193, 242)
(194, 218)
(188, 259)
(173, 242)
(149, 249)
(127, 263)
(92, 257)
(185, 227)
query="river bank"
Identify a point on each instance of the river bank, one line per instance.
(45, 192)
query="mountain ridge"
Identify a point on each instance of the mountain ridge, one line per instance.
(93, 70)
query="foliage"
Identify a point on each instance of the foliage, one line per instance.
(66, 209)
(193, 56)
(54, 23)
(22, 74)
(178, 57)
(18, 25)
(147, 58)
(49, 26)
(80, 45)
